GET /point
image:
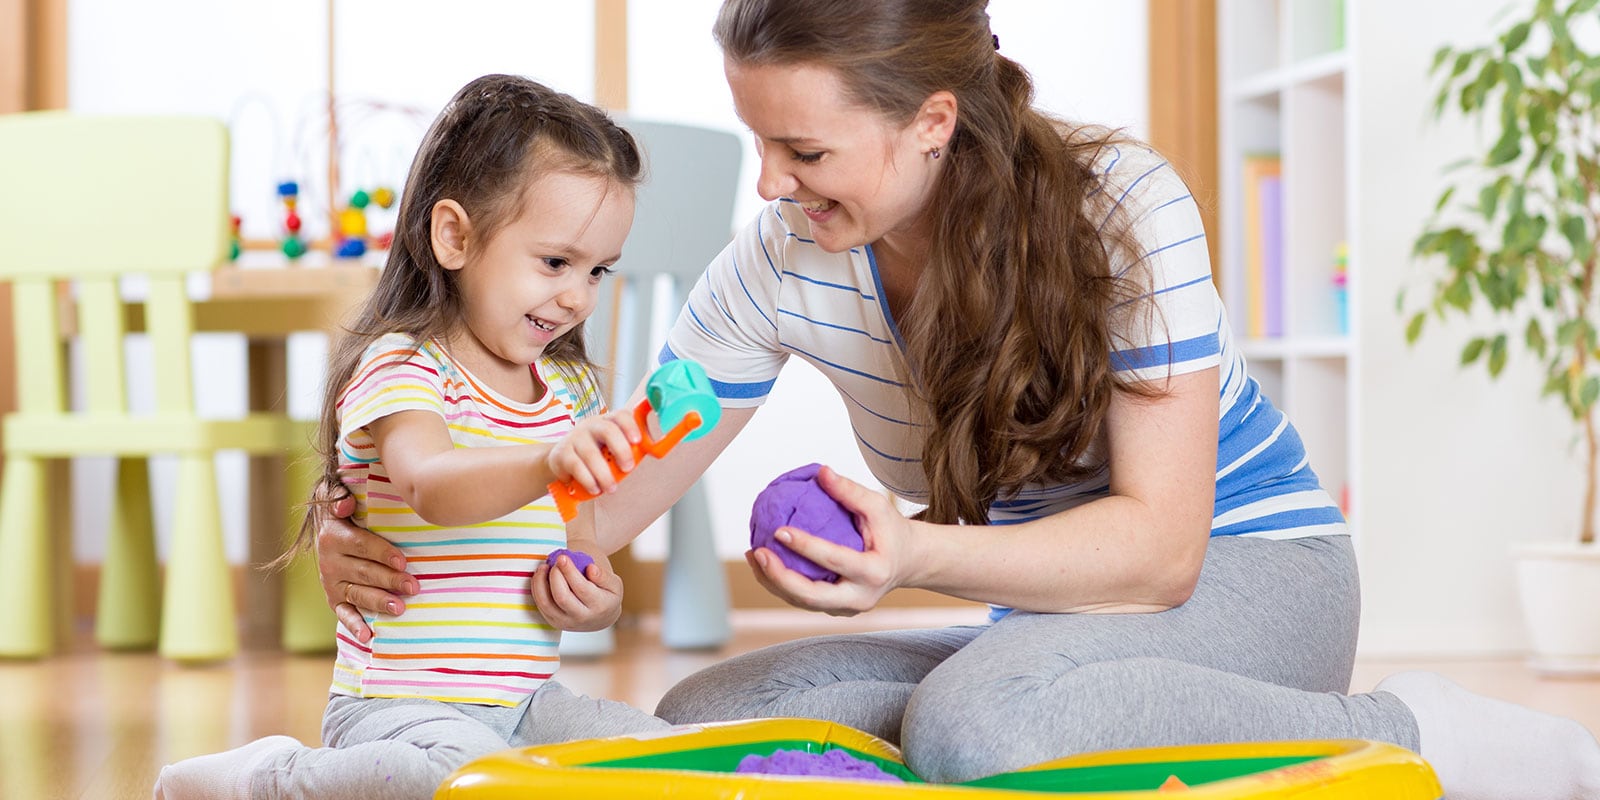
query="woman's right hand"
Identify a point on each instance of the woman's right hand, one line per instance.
(360, 570)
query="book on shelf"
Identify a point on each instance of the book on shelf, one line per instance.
(1272, 253)
(1263, 244)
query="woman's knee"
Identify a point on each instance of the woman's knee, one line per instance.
(959, 730)
(732, 689)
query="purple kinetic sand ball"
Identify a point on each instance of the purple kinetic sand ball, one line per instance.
(580, 559)
(795, 500)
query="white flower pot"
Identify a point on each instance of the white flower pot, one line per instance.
(1560, 589)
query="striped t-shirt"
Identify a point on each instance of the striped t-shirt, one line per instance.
(773, 292)
(472, 635)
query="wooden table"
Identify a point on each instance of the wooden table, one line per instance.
(267, 305)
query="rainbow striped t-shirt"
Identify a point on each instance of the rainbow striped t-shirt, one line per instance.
(472, 635)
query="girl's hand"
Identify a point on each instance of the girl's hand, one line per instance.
(359, 571)
(581, 455)
(574, 601)
(864, 577)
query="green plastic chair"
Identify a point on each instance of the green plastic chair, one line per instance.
(89, 200)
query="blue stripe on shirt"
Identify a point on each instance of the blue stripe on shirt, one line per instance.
(1158, 355)
(841, 367)
(833, 326)
(731, 391)
(1284, 520)
(752, 298)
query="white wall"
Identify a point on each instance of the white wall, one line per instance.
(1456, 468)
(261, 66)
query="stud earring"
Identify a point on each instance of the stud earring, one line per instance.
(934, 153)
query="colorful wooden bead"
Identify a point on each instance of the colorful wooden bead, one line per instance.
(353, 223)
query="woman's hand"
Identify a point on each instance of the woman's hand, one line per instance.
(577, 601)
(359, 570)
(864, 577)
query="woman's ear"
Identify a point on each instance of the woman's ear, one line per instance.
(936, 120)
(449, 230)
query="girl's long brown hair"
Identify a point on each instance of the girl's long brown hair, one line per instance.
(1022, 247)
(490, 142)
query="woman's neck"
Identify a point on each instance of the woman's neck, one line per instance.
(901, 260)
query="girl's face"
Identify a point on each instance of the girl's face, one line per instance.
(538, 276)
(858, 177)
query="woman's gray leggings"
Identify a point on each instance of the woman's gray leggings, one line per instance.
(1262, 651)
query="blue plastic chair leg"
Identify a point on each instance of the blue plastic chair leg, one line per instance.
(694, 592)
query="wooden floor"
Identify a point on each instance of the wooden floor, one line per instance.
(91, 724)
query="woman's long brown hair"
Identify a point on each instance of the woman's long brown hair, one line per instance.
(490, 142)
(1022, 247)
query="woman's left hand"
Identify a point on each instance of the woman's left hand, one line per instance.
(864, 577)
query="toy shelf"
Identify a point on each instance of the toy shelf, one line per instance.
(1285, 206)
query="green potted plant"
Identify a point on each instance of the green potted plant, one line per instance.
(1517, 231)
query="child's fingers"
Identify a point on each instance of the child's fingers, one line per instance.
(539, 584)
(561, 593)
(614, 439)
(629, 425)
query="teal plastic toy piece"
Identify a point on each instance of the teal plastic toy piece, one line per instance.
(679, 387)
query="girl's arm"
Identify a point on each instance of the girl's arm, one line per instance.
(1138, 550)
(449, 485)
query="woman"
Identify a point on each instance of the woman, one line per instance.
(1019, 317)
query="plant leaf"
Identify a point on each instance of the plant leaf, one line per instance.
(1414, 327)
(1473, 349)
(1444, 197)
(1513, 39)
(1535, 338)
(1497, 356)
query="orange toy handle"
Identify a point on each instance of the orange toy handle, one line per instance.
(568, 494)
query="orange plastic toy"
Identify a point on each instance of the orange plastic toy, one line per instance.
(681, 395)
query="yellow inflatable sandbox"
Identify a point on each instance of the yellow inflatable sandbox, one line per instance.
(698, 761)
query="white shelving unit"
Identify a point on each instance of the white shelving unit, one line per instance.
(1285, 88)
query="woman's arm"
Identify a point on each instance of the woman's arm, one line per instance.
(1140, 549)
(655, 484)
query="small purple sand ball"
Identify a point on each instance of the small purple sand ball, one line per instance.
(832, 764)
(795, 500)
(580, 559)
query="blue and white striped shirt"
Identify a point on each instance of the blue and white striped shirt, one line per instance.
(773, 292)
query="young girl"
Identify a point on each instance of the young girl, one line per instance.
(459, 394)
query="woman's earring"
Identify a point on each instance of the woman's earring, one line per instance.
(934, 153)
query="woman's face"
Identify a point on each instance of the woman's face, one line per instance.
(858, 177)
